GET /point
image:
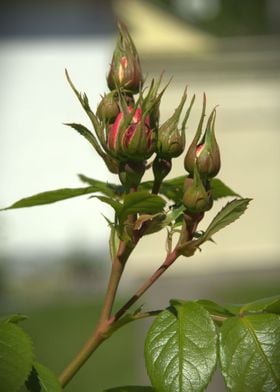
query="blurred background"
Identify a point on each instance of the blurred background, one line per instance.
(54, 259)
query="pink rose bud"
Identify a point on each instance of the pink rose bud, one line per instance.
(125, 71)
(204, 151)
(130, 137)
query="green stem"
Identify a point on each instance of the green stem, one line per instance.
(105, 325)
(90, 346)
(101, 332)
(156, 187)
(118, 265)
(170, 258)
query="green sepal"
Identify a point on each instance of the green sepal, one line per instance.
(171, 139)
(191, 153)
(88, 135)
(196, 199)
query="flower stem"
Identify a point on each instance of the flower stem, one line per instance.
(106, 324)
(170, 258)
(90, 346)
(118, 264)
(101, 332)
(156, 187)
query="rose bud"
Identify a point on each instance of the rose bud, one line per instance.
(171, 139)
(207, 152)
(130, 137)
(204, 153)
(125, 71)
(196, 199)
(110, 105)
(108, 108)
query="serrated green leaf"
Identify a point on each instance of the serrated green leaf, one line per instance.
(16, 357)
(42, 379)
(228, 214)
(131, 388)
(250, 353)
(181, 349)
(220, 189)
(141, 202)
(52, 197)
(13, 318)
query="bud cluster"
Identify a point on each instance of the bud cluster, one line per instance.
(128, 130)
(127, 127)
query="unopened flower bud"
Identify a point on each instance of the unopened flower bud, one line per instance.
(205, 152)
(110, 105)
(171, 139)
(130, 137)
(108, 109)
(125, 71)
(196, 199)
